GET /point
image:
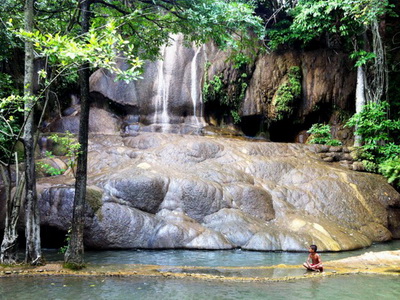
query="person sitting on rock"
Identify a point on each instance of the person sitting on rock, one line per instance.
(316, 262)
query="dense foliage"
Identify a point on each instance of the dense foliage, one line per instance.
(216, 91)
(379, 150)
(356, 27)
(327, 20)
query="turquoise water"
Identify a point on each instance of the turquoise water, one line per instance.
(318, 287)
(340, 287)
(223, 258)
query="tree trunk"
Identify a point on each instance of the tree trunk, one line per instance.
(9, 245)
(360, 100)
(74, 253)
(32, 219)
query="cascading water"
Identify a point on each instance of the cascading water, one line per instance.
(161, 99)
(178, 80)
(194, 85)
(167, 98)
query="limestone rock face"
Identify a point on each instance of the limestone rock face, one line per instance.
(169, 97)
(158, 190)
(327, 77)
(100, 121)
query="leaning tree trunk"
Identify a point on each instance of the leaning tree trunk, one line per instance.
(74, 253)
(32, 219)
(9, 245)
(360, 100)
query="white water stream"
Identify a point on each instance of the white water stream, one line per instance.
(178, 80)
(195, 86)
(161, 99)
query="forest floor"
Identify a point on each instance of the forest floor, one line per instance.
(386, 262)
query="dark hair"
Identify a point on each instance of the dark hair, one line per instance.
(314, 247)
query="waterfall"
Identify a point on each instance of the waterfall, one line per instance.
(173, 86)
(195, 86)
(161, 99)
(170, 92)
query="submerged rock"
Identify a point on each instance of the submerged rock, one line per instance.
(171, 191)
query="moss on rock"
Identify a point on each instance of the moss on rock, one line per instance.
(94, 197)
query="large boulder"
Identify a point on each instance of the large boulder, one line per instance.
(100, 121)
(171, 191)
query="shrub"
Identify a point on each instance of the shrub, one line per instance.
(230, 100)
(287, 93)
(379, 152)
(391, 170)
(72, 150)
(321, 134)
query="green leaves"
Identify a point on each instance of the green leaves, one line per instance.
(228, 23)
(11, 119)
(146, 26)
(287, 93)
(71, 148)
(379, 150)
(391, 170)
(314, 18)
(217, 91)
(101, 48)
(321, 134)
(373, 125)
(362, 57)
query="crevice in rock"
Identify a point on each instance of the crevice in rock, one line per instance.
(52, 237)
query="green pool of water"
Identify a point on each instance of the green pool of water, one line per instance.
(223, 258)
(338, 287)
(355, 286)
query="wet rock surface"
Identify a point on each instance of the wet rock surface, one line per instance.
(172, 191)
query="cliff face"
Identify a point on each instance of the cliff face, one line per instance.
(326, 78)
(169, 98)
(287, 92)
(161, 190)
